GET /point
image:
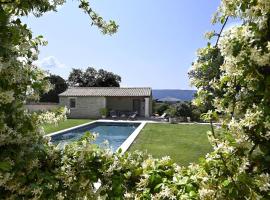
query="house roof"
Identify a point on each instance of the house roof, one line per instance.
(107, 92)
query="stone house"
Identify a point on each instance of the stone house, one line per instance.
(86, 102)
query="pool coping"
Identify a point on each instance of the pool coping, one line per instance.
(69, 129)
(124, 146)
(128, 142)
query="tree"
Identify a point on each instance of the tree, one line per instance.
(240, 92)
(238, 167)
(76, 77)
(29, 165)
(186, 109)
(200, 76)
(183, 109)
(59, 85)
(93, 78)
(160, 108)
(89, 77)
(107, 79)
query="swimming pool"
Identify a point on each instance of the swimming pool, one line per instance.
(115, 133)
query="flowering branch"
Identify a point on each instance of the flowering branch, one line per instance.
(223, 26)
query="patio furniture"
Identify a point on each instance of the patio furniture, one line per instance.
(113, 114)
(123, 115)
(133, 116)
(162, 117)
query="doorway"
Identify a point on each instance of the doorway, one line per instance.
(137, 106)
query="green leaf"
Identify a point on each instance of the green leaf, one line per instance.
(222, 19)
(5, 166)
(192, 194)
(157, 187)
(119, 150)
(226, 183)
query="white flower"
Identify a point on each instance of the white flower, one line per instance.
(128, 195)
(206, 193)
(166, 192)
(244, 165)
(37, 192)
(60, 196)
(264, 184)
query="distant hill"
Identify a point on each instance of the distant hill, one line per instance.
(183, 95)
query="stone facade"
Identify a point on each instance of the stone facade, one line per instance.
(86, 107)
(35, 107)
(89, 107)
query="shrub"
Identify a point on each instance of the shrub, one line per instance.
(161, 108)
(104, 111)
(171, 111)
(183, 109)
(196, 114)
(238, 167)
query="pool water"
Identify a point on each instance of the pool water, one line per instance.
(114, 133)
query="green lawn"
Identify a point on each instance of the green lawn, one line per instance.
(50, 128)
(183, 143)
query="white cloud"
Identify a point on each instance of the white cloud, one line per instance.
(50, 63)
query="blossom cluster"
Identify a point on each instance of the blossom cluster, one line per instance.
(53, 117)
(232, 76)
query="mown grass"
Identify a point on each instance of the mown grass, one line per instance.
(183, 143)
(50, 128)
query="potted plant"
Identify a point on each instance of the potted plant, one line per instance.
(103, 112)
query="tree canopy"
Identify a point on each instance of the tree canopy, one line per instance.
(238, 88)
(58, 84)
(93, 78)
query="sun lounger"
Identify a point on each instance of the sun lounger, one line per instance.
(133, 116)
(162, 117)
(113, 114)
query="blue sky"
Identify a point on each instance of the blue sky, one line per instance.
(154, 47)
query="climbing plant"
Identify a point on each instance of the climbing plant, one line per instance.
(30, 168)
(232, 75)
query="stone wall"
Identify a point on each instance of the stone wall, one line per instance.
(35, 107)
(89, 107)
(86, 107)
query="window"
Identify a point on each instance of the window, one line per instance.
(72, 103)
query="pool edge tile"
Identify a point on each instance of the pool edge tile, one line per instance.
(127, 143)
(69, 129)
